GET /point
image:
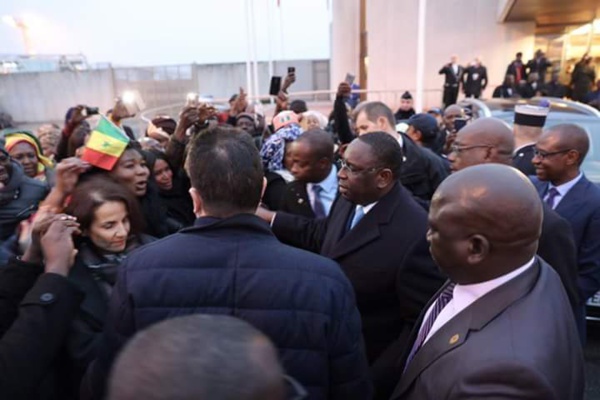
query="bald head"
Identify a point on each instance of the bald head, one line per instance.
(319, 142)
(485, 140)
(485, 222)
(570, 136)
(198, 357)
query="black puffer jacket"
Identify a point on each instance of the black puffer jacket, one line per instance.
(18, 200)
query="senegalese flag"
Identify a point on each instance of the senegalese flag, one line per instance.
(105, 145)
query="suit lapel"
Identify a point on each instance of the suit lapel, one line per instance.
(302, 200)
(473, 318)
(574, 200)
(367, 230)
(341, 210)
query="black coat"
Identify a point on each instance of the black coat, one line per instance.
(387, 260)
(512, 70)
(18, 200)
(235, 266)
(539, 66)
(422, 170)
(33, 332)
(178, 204)
(274, 190)
(475, 80)
(554, 89)
(450, 78)
(522, 160)
(505, 92)
(296, 201)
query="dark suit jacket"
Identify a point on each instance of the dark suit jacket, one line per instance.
(517, 341)
(581, 207)
(474, 86)
(386, 257)
(32, 338)
(295, 200)
(522, 160)
(450, 78)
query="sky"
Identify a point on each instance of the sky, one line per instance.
(166, 32)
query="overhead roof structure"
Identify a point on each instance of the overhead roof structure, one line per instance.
(552, 17)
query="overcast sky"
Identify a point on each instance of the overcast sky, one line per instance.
(137, 32)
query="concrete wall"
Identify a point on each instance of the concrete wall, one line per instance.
(345, 40)
(35, 98)
(44, 97)
(468, 28)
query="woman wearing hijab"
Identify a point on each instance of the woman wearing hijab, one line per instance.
(26, 149)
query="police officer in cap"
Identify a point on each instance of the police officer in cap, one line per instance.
(528, 127)
(406, 109)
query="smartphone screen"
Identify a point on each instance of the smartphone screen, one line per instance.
(291, 70)
(275, 85)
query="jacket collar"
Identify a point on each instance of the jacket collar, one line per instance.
(239, 221)
(340, 243)
(474, 318)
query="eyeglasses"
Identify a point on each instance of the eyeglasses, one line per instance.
(294, 388)
(544, 154)
(456, 148)
(354, 170)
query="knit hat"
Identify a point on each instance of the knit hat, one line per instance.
(284, 118)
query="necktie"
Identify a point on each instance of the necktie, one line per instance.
(441, 302)
(552, 193)
(318, 206)
(358, 214)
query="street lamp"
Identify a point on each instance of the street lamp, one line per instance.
(22, 25)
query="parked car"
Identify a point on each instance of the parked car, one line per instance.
(561, 112)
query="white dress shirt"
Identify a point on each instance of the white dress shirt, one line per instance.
(562, 189)
(329, 188)
(465, 295)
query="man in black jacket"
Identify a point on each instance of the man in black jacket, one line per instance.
(422, 170)
(315, 187)
(376, 231)
(528, 126)
(34, 331)
(231, 263)
(475, 79)
(453, 74)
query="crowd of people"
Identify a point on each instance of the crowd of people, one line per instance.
(523, 80)
(365, 254)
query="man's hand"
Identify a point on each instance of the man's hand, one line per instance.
(289, 80)
(119, 111)
(205, 112)
(67, 174)
(344, 90)
(57, 245)
(77, 116)
(188, 117)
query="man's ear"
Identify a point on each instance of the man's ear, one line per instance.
(197, 201)
(382, 124)
(479, 248)
(385, 178)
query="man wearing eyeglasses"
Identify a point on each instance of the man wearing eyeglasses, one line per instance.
(376, 231)
(528, 126)
(490, 140)
(563, 187)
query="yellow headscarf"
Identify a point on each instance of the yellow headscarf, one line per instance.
(12, 139)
